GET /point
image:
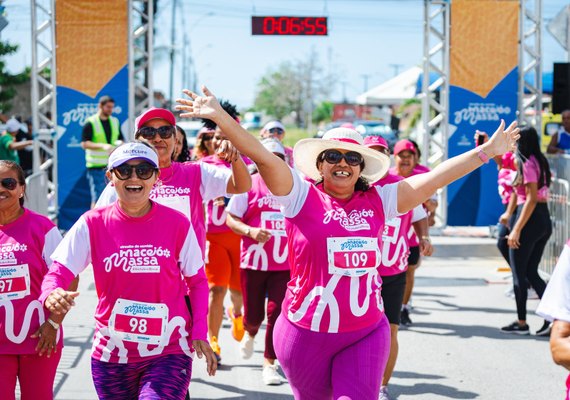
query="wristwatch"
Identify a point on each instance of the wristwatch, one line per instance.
(247, 231)
(54, 325)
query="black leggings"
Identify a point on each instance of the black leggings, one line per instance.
(525, 259)
(502, 235)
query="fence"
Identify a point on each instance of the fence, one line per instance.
(559, 207)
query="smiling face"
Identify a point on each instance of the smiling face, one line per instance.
(340, 178)
(405, 162)
(132, 191)
(219, 137)
(10, 199)
(164, 147)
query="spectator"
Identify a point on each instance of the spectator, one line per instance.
(8, 145)
(560, 141)
(181, 150)
(23, 134)
(204, 143)
(276, 130)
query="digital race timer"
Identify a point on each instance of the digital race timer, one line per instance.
(308, 26)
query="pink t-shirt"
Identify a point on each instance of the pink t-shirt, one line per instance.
(259, 208)
(25, 248)
(334, 254)
(531, 171)
(138, 265)
(505, 182)
(184, 187)
(395, 247)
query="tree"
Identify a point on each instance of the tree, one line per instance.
(293, 88)
(7, 80)
(323, 112)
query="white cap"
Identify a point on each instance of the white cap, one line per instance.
(132, 151)
(274, 124)
(273, 145)
(12, 125)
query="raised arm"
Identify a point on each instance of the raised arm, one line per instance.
(275, 172)
(416, 189)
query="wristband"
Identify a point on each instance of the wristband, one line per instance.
(482, 155)
(54, 325)
(426, 238)
(247, 231)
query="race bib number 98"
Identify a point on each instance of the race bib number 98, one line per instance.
(352, 256)
(135, 321)
(14, 282)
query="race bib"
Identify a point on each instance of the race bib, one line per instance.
(135, 321)
(14, 282)
(391, 230)
(178, 203)
(352, 256)
(274, 222)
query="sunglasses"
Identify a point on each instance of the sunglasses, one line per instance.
(144, 171)
(207, 138)
(352, 158)
(9, 183)
(277, 131)
(149, 133)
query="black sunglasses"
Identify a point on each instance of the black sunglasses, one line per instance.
(9, 183)
(149, 133)
(334, 157)
(144, 171)
(277, 131)
(207, 138)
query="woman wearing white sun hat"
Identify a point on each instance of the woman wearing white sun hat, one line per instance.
(332, 317)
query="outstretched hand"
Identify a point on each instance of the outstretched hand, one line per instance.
(206, 106)
(503, 140)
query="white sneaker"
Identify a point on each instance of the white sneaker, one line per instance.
(246, 346)
(384, 393)
(270, 375)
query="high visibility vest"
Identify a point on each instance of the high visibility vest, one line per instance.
(100, 158)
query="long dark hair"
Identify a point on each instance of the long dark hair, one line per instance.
(11, 165)
(528, 145)
(184, 153)
(361, 184)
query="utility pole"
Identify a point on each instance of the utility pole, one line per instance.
(396, 68)
(344, 83)
(172, 38)
(365, 78)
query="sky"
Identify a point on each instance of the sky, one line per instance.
(369, 41)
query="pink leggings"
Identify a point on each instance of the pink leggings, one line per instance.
(35, 374)
(340, 366)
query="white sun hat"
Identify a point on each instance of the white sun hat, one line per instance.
(306, 151)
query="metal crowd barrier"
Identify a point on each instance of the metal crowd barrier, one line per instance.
(37, 193)
(559, 207)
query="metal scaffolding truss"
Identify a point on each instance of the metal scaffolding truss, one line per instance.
(530, 62)
(435, 96)
(140, 58)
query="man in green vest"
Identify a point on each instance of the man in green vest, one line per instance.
(101, 134)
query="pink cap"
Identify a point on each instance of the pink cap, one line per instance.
(404, 145)
(371, 141)
(155, 113)
(203, 131)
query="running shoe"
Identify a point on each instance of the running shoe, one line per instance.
(405, 317)
(270, 375)
(216, 348)
(516, 329)
(237, 324)
(545, 330)
(246, 347)
(384, 395)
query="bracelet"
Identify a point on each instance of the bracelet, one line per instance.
(247, 231)
(482, 155)
(426, 238)
(53, 324)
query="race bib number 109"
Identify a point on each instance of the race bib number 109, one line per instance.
(352, 256)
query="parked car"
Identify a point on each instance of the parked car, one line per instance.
(376, 128)
(329, 126)
(191, 127)
(252, 120)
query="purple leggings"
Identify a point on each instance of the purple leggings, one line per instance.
(165, 377)
(340, 366)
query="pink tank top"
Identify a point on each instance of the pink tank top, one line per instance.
(531, 171)
(264, 211)
(25, 246)
(334, 253)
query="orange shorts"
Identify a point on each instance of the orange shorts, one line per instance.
(222, 268)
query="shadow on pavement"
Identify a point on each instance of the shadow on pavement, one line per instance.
(75, 348)
(240, 393)
(414, 375)
(463, 331)
(434, 388)
(424, 281)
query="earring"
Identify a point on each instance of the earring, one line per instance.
(21, 195)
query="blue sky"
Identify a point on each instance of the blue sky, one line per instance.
(372, 38)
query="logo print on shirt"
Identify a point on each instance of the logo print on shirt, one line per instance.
(354, 221)
(136, 258)
(269, 201)
(168, 191)
(8, 250)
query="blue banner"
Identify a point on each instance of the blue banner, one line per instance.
(73, 109)
(474, 199)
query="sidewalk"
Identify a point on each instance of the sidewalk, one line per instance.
(453, 350)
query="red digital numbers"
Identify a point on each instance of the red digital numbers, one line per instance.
(290, 26)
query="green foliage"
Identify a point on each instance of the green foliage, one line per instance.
(7, 80)
(323, 112)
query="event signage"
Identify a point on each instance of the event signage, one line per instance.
(289, 26)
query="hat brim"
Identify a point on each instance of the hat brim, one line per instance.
(305, 154)
(157, 113)
(124, 160)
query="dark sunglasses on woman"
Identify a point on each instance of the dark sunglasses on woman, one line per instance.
(334, 157)
(9, 183)
(277, 131)
(149, 133)
(207, 138)
(144, 171)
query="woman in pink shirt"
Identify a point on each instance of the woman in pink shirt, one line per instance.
(332, 338)
(530, 227)
(30, 336)
(145, 335)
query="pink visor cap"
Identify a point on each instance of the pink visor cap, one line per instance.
(404, 145)
(155, 113)
(371, 141)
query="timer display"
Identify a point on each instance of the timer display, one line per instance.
(290, 26)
